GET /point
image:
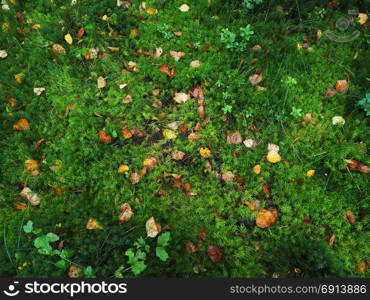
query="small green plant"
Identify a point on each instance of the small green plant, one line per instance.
(233, 42)
(296, 112)
(165, 31)
(227, 109)
(317, 13)
(249, 4)
(289, 81)
(364, 104)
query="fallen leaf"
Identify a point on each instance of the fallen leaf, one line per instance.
(80, 33)
(38, 91)
(22, 124)
(126, 213)
(113, 49)
(350, 217)
(201, 112)
(250, 143)
(202, 235)
(358, 166)
(74, 272)
(184, 8)
(68, 38)
(362, 18)
(197, 93)
(205, 152)
(169, 134)
(132, 66)
(104, 137)
(123, 169)
(101, 82)
(177, 55)
(234, 138)
(151, 228)
(338, 120)
(127, 99)
(20, 205)
(177, 155)
(170, 71)
(273, 147)
(331, 240)
(330, 92)
(195, 64)
(151, 11)
(173, 126)
(310, 173)
(3, 53)
(257, 169)
(58, 49)
(194, 136)
(265, 218)
(158, 52)
(342, 86)
(19, 77)
(228, 176)
(135, 178)
(93, 224)
(190, 247)
(57, 190)
(256, 48)
(126, 133)
(255, 79)
(362, 267)
(250, 205)
(150, 162)
(31, 165)
(181, 98)
(214, 253)
(30, 196)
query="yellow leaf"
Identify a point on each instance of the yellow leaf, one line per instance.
(265, 218)
(19, 77)
(123, 168)
(310, 173)
(273, 156)
(363, 18)
(151, 11)
(68, 38)
(257, 169)
(93, 224)
(36, 26)
(134, 32)
(22, 124)
(101, 82)
(205, 152)
(169, 134)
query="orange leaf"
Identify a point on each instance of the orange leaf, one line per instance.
(22, 124)
(20, 205)
(93, 224)
(190, 247)
(342, 86)
(265, 218)
(170, 71)
(104, 137)
(205, 152)
(177, 55)
(214, 253)
(57, 190)
(80, 33)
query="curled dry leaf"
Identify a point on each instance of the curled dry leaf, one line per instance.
(170, 71)
(22, 124)
(250, 143)
(181, 98)
(31, 165)
(234, 138)
(150, 162)
(194, 136)
(330, 92)
(126, 133)
(20, 205)
(197, 93)
(184, 8)
(195, 64)
(158, 52)
(228, 176)
(173, 126)
(265, 218)
(255, 79)
(101, 82)
(205, 152)
(30, 196)
(74, 272)
(190, 247)
(350, 217)
(342, 86)
(104, 137)
(177, 55)
(273, 147)
(38, 91)
(214, 253)
(126, 213)
(355, 165)
(152, 230)
(135, 178)
(132, 66)
(113, 49)
(177, 155)
(201, 112)
(93, 224)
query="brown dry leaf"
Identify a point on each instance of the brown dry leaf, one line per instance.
(22, 124)
(30, 196)
(152, 229)
(11, 101)
(255, 79)
(126, 133)
(104, 137)
(178, 33)
(250, 205)
(31, 165)
(132, 66)
(205, 152)
(177, 55)
(57, 190)
(181, 98)
(150, 162)
(170, 71)
(256, 48)
(190, 247)
(214, 253)
(20, 205)
(113, 49)
(135, 178)
(228, 176)
(126, 213)
(58, 49)
(265, 218)
(158, 52)
(350, 217)
(201, 112)
(93, 224)
(257, 169)
(358, 166)
(342, 86)
(194, 136)
(80, 33)
(197, 93)
(331, 240)
(74, 272)
(177, 155)
(101, 82)
(151, 11)
(362, 267)
(266, 189)
(195, 64)
(234, 138)
(330, 92)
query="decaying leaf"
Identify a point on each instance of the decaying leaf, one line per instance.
(197, 93)
(127, 99)
(58, 49)
(30, 196)
(93, 224)
(177, 155)
(342, 86)
(330, 92)
(80, 33)
(255, 79)
(170, 71)
(31, 165)
(3, 53)
(265, 218)
(104, 137)
(181, 98)
(19, 77)
(194, 136)
(205, 152)
(250, 143)
(135, 178)
(158, 52)
(355, 165)
(234, 138)
(350, 217)
(177, 55)
(126, 213)
(20, 205)
(74, 272)
(152, 230)
(101, 82)
(150, 162)
(190, 247)
(151, 11)
(126, 133)
(214, 253)
(57, 190)
(228, 176)
(132, 66)
(195, 64)
(22, 124)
